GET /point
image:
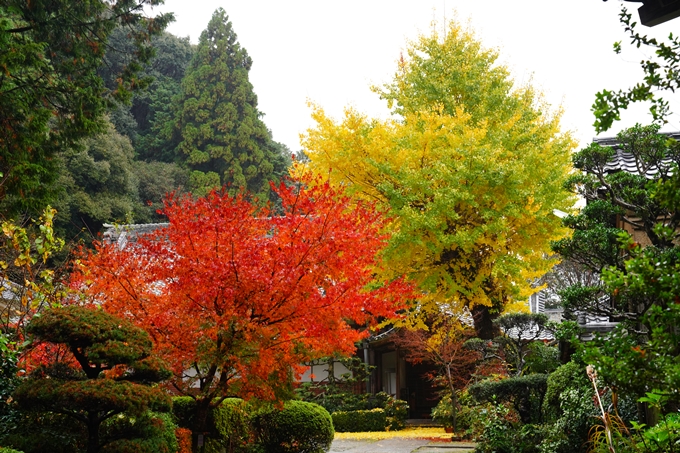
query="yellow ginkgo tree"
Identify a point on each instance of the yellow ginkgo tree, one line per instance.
(469, 166)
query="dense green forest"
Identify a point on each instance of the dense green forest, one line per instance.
(165, 116)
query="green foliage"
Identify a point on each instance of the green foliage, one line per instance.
(41, 432)
(231, 422)
(155, 180)
(97, 338)
(526, 393)
(148, 433)
(99, 343)
(337, 392)
(97, 184)
(360, 420)
(145, 120)
(443, 412)
(93, 395)
(397, 414)
(569, 409)
(662, 437)
(640, 360)
(499, 428)
(660, 74)
(219, 126)
(300, 427)
(635, 200)
(51, 95)
(184, 410)
(9, 450)
(8, 382)
(571, 375)
(520, 330)
(542, 358)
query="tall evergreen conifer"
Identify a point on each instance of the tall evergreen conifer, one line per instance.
(222, 138)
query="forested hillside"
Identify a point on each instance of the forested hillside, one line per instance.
(164, 115)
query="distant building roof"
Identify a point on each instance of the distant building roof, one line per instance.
(124, 234)
(623, 161)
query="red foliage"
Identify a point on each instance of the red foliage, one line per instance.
(239, 295)
(442, 345)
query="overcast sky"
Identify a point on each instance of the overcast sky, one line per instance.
(331, 52)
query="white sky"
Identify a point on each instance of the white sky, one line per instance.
(331, 52)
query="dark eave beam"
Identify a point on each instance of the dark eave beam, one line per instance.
(655, 12)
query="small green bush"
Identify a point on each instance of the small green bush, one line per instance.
(396, 412)
(360, 421)
(9, 450)
(231, 423)
(300, 427)
(41, 432)
(149, 433)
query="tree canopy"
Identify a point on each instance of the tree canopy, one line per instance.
(51, 95)
(222, 137)
(103, 376)
(660, 75)
(471, 169)
(235, 298)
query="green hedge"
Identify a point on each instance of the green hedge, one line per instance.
(525, 392)
(360, 421)
(184, 408)
(300, 427)
(8, 450)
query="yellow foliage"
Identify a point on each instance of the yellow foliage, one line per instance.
(470, 168)
(408, 433)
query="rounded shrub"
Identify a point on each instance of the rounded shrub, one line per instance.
(184, 408)
(230, 422)
(300, 427)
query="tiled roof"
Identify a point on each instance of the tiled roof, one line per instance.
(623, 161)
(124, 234)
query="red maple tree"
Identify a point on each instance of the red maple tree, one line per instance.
(236, 296)
(442, 344)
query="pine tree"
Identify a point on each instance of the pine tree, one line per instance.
(220, 130)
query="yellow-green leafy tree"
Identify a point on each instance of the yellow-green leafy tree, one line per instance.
(470, 167)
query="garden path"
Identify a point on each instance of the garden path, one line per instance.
(398, 445)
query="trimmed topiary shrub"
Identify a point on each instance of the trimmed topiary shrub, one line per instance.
(184, 408)
(300, 427)
(232, 430)
(525, 392)
(360, 421)
(149, 433)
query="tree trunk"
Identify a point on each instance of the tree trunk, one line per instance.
(93, 423)
(483, 320)
(201, 428)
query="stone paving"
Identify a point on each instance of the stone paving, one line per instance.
(397, 445)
